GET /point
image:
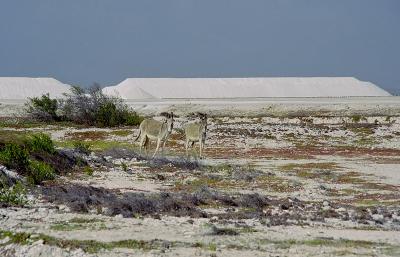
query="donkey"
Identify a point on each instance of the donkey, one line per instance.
(151, 129)
(196, 132)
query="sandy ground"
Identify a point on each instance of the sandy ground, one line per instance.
(316, 106)
(338, 176)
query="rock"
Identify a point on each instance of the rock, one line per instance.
(9, 177)
(325, 203)
(326, 208)
(378, 218)
(107, 158)
(213, 219)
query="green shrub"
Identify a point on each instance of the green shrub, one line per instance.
(14, 156)
(40, 143)
(132, 119)
(43, 108)
(15, 195)
(92, 107)
(108, 115)
(82, 147)
(40, 171)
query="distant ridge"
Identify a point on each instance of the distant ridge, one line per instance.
(162, 88)
(24, 87)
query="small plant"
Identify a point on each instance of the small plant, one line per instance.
(357, 118)
(40, 142)
(40, 171)
(15, 195)
(14, 156)
(124, 166)
(43, 108)
(82, 147)
(88, 170)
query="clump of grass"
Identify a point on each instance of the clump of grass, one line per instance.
(124, 166)
(82, 147)
(88, 170)
(78, 223)
(357, 118)
(40, 171)
(270, 136)
(40, 142)
(216, 231)
(14, 195)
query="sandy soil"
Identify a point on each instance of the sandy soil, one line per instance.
(268, 186)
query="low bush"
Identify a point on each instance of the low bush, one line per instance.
(40, 171)
(92, 107)
(14, 156)
(87, 107)
(14, 195)
(40, 142)
(132, 119)
(43, 108)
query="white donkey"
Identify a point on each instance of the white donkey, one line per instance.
(196, 132)
(151, 129)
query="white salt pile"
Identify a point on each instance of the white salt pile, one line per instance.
(22, 87)
(148, 88)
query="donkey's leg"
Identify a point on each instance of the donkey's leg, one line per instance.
(187, 147)
(201, 149)
(158, 146)
(163, 146)
(142, 143)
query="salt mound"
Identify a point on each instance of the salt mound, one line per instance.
(22, 88)
(145, 88)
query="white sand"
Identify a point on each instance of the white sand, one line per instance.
(22, 87)
(148, 88)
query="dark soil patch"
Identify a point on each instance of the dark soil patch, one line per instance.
(273, 212)
(83, 198)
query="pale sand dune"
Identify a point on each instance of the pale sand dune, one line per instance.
(23, 87)
(164, 88)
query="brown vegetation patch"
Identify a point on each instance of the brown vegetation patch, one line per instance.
(300, 152)
(87, 135)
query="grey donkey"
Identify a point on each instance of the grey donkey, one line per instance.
(159, 131)
(196, 132)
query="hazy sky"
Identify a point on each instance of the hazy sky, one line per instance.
(82, 41)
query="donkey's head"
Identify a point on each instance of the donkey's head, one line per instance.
(169, 120)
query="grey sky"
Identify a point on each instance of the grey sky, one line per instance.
(82, 41)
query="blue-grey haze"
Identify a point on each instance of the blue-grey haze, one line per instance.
(82, 41)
